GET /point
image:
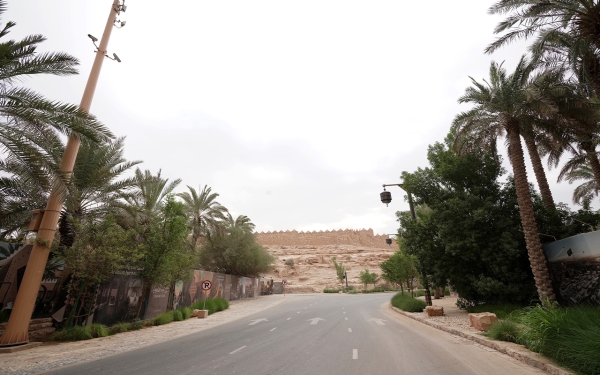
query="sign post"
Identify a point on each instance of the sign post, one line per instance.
(206, 285)
(283, 284)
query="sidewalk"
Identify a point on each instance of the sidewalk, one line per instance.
(52, 355)
(456, 322)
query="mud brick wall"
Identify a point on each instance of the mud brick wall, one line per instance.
(363, 237)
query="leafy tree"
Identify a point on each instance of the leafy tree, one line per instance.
(510, 104)
(165, 256)
(242, 221)
(400, 269)
(367, 277)
(340, 270)
(468, 232)
(237, 252)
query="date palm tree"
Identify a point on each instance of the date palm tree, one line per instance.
(241, 222)
(30, 125)
(587, 190)
(206, 215)
(509, 105)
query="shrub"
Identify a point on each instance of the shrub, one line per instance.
(222, 304)
(331, 290)
(118, 328)
(163, 318)
(186, 312)
(212, 305)
(504, 330)
(408, 303)
(98, 330)
(73, 334)
(177, 315)
(135, 325)
(502, 311)
(289, 262)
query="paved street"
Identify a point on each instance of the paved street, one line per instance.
(312, 334)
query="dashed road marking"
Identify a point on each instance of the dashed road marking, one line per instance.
(346, 318)
(238, 349)
(288, 318)
(354, 353)
(349, 329)
(273, 329)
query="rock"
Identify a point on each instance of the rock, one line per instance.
(434, 311)
(202, 314)
(312, 260)
(195, 313)
(482, 321)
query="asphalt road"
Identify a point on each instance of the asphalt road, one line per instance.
(313, 334)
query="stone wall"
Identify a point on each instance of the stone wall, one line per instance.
(363, 237)
(577, 282)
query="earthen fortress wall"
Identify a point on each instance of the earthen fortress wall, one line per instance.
(363, 237)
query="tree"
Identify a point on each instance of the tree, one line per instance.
(31, 125)
(206, 215)
(237, 252)
(367, 277)
(399, 269)
(506, 105)
(340, 270)
(584, 193)
(165, 256)
(242, 222)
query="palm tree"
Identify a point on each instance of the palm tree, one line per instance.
(567, 32)
(508, 105)
(207, 216)
(241, 222)
(584, 193)
(145, 202)
(29, 123)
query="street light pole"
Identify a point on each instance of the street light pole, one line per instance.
(386, 197)
(17, 329)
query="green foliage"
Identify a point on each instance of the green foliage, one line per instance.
(331, 290)
(177, 315)
(118, 328)
(504, 330)
(98, 330)
(76, 333)
(212, 305)
(367, 277)
(399, 268)
(340, 270)
(237, 252)
(185, 312)
(135, 325)
(408, 303)
(468, 229)
(289, 262)
(164, 318)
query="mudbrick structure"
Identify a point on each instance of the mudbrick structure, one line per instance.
(304, 259)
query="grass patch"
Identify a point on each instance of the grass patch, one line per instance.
(98, 330)
(186, 312)
(164, 318)
(177, 315)
(331, 290)
(407, 303)
(118, 328)
(76, 333)
(504, 330)
(135, 325)
(502, 311)
(212, 305)
(570, 336)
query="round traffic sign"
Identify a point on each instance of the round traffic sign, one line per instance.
(206, 285)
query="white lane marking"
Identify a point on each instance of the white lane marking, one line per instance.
(346, 318)
(238, 349)
(349, 329)
(273, 329)
(378, 321)
(354, 353)
(314, 320)
(305, 308)
(288, 318)
(344, 312)
(258, 321)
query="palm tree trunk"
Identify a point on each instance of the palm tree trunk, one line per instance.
(540, 174)
(592, 157)
(535, 251)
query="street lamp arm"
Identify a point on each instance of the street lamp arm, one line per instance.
(386, 197)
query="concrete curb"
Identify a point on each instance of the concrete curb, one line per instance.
(518, 352)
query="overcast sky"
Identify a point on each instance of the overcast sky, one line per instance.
(295, 112)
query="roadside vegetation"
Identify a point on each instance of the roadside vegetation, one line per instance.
(408, 303)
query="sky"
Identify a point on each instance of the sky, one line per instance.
(294, 112)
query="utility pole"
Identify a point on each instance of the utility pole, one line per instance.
(17, 329)
(346, 277)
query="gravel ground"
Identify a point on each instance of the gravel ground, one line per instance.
(53, 355)
(453, 316)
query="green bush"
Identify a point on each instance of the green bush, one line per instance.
(186, 312)
(331, 290)
(118, 328)
(407, 303)
(135, 325)
(504, 330)
(76, 333)
(212, 305)
(353, 291)
(164, 318)
(98, 330)
(571, 336)
(177, 315)
(222, 304)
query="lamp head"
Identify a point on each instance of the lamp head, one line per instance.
(93, 38)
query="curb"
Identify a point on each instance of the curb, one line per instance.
(522, 355)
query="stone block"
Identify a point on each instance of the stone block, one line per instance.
(195, 313)
(202, 314)
(482, 321)
(434, 311)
